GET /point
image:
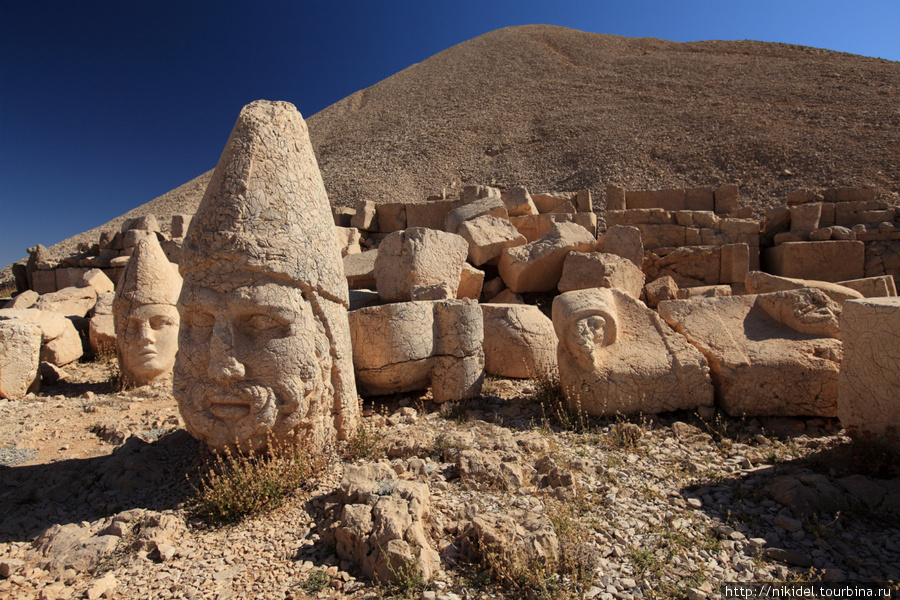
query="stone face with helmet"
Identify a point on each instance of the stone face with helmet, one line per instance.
(264, 344)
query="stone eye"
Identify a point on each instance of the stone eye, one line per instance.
(262, 322)
(198, 318)
(160, 322)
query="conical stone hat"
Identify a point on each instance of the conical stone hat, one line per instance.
(149, 277)
(266, 209)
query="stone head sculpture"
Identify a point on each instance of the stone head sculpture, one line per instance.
(264, 343)
(146, 317)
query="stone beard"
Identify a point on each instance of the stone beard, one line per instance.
(255, 361)
(149, 342)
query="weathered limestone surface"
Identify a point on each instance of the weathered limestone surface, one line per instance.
(407, 346)
(624, 241)
(759, 365)
(492, 206)
(348, 240)
(583, 270)
(20, 349)
(146, 315)
(364, 219)
(519, 202)
(660, 290)
(537, 267)
(868, 402)
(471, 281)
(873, 287)
(102, 326)
(617, 356)
(24, 300)
(69, 302)
(418, 257)
(430, 214)
(534, 227)
(488, 237)
(264, 345)
(519, 341)
(383, 524)
(758, 282)
(360, 270)
(826, 261)
(97, 279)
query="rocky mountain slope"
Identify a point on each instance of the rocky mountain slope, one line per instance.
(559, 109)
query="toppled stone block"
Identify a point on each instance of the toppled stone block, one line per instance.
(761, 366)
(20, 349)
(25, 299)
(582, 270)
(537, 267)
(534, 227)
(553, 203)
(805, 217)
(660, 290)
(615, 198)
(584, 202)
(470, 282)
(418, 257)
(488, 237)
(408, 346)
(60, 342)
(519, 202)
(98, 280)
(487, 206)
(758, 282)
(624, 241)
(616, 356)
(826, 261)
(868, 403)
(519, 341)
(348, 240)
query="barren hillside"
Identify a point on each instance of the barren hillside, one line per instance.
(555, 108)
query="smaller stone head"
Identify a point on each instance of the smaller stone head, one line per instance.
(146, 315)
(585, 320)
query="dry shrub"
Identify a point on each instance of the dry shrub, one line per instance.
(235, 485)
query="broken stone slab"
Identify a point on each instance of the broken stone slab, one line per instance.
(492, 206)
(760, 366)
(758, 282)
(582, 270)
(519, 341)
(624, 241)
(868, 403)
(97, 279)
(359, 270)
(615, 198)
(805, 217)
(348, 240)
(264, 344)
(25, 299)
(616, 356)
(406, 346)
(69, 302)
(391, 216)
(430, 214)
(584, 202)
(488, 237)
(873, 287)
(418, 257)
(537, 267)
(20, 350)
(534, 227)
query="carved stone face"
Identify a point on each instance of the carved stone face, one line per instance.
(150, 341)
(254, 362)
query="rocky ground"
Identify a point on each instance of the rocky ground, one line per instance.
(96, 489)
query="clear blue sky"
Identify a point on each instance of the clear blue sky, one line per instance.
(106, 105)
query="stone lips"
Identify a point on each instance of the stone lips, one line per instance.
(244, 221)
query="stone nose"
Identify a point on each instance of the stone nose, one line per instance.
(223, 365)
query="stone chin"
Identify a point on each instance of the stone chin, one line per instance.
(148, 367)
(244, 416)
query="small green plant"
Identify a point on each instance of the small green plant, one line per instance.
(407, 582)
(316, 581)
(236, 484)
(366, 442)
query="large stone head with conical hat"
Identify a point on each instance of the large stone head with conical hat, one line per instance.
(145, 315)
(264, 348)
